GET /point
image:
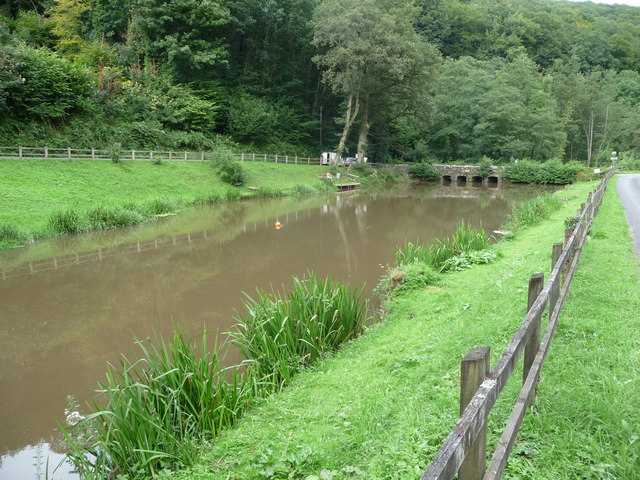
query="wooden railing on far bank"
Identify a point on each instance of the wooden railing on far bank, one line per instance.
(464, 450)
(48, 153)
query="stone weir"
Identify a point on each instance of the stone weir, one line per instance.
(461, 174)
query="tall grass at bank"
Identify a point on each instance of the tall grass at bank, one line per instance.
(281, 334)
(532, 212)
(465, 239)
(157, 410)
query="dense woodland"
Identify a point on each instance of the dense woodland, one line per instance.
(396, 80)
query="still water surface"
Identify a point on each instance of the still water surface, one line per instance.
(81, 299)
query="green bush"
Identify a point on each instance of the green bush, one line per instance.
(424, 171)
(485, 167)
(47, 86)
(302, 189)
(550, 172)
(231, 172)
(361, 169)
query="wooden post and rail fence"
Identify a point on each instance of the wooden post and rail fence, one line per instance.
(464, 450)
(154, 156)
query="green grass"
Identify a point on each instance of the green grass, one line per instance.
(34, 191)
(586, 421)
(382, 406)
(465, 239)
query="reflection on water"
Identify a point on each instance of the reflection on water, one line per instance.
(70, 306)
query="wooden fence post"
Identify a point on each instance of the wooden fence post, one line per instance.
(20, 152)
(185, 156)
(133, 154)
(555, 290)
(254, 158)
(536, 283)
(69, 153)
(286, 159)
(170, 156)
(276, 158)
(242, 159)
(46, 152)
(151, 155)
(93, 154)
(473, 370)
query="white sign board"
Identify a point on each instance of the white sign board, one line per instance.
(596, 170)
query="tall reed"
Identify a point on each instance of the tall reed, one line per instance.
(158, 409)
(282, 334)
(532, 212)
(465, 239)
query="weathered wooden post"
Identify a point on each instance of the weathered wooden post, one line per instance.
(170, 156)
(254, 158)
(555, 290)
(473, 370)
(276, 158)
(93, 154)
(286, 159)
(202, 156)
(69, 153)
(151, 155)
(20, 152)
(242, 158)
(536, 282)
(46, 152)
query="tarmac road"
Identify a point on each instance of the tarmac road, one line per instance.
(629, 191)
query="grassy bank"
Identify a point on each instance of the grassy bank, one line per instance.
(383, 405)
(586, 422)
(34, 190)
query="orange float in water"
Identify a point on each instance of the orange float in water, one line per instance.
(278, 225)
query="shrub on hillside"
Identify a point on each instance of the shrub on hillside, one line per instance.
(424, 171)
(231, 172)
(550, 172)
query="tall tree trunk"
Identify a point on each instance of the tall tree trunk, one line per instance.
(364, 131)
(349, 117)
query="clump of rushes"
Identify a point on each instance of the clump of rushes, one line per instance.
(67, 221)
(268, 192)
(280, 335)
(113, 217)
(161, 206)
(158, 410)
(302, 189)
(465, 239)
(10, 233)
(532, 212)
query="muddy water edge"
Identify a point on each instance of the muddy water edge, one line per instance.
(69, 306)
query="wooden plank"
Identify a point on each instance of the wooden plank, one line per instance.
(473, 370)
(536, 283)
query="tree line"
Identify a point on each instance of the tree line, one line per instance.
(394, 80)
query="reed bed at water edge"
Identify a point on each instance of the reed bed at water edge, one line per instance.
(532, 212)
(158, 410)
(281, 334)
(465, 239)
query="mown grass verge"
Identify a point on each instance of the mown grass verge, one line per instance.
(382, 407)
(37, 193)
(586, 422)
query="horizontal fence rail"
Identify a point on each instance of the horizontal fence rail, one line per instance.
(154, 156)
(464, 450)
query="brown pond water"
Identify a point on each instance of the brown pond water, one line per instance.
(68, 307)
